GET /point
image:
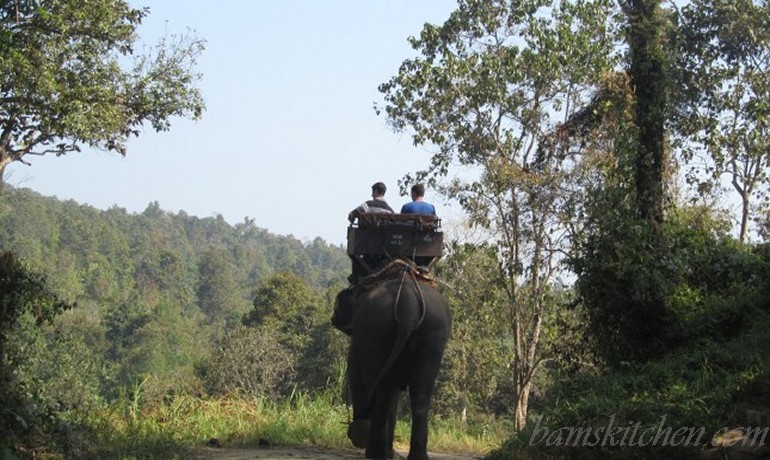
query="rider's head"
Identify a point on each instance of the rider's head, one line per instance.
(378, 190)
(418, 191)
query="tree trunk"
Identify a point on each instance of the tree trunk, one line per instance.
(650, 81)
(743, 183)
(517, 367)
(745, 209)
(522, 406)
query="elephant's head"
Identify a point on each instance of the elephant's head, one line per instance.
(342, 318)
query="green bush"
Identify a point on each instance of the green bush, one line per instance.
(695, 386)
(622, 283)
(27, 407)
(715, 282)
(647, 292)
(248, 361)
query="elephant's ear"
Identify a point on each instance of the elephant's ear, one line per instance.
(342, 318)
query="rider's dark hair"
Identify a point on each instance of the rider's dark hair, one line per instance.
(418, 190)
(380, 188)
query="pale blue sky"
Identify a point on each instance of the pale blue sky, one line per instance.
(289, 136)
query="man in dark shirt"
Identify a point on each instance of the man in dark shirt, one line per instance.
(363, 264)
(418, 205)
(376, 205)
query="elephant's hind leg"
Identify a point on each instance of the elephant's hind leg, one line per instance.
(420, 393)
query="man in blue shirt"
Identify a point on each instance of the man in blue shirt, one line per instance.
(417, 205)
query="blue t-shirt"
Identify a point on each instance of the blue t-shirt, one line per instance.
(418, 207)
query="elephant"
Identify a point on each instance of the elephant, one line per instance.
(399, 330)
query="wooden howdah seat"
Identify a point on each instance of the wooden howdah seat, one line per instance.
(380, 238)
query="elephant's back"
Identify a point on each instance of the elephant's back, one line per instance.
(398, 303)
(374, 314)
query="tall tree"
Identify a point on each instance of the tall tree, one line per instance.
(163, 347)
(725, 78)
(22, 293)
(491, 85)
(298, 316)
(72, 78)
(622, 268)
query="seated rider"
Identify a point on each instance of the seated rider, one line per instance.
(418, 205)
(363, 265)
(412, 231)
(376, 205)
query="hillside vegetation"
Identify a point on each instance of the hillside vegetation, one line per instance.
(160, 304)
(129, 333)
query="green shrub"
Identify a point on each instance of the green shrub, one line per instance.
(648, 292)
(249, 361)
(622, 283)
(27, 409)
(693, 387)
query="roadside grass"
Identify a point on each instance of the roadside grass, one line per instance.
(476, 438)
(178, 426)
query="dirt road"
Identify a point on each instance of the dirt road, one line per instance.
(278, 453)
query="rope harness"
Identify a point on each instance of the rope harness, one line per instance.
(411, 271)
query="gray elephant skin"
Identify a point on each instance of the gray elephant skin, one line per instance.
(400, 328)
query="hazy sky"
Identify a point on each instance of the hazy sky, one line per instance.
(289, 136)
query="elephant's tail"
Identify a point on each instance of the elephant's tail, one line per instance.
(407, 321)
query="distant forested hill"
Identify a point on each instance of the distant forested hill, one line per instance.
(113, 263)
(92, 253)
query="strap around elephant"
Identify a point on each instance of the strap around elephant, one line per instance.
(394, 269)
(412, 274)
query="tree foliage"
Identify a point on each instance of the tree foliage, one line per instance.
(73, 76)
(299, 317)
(632, 275)
(489, 89)
(218, 293)
(161, 285)
(474, 376)
(724, 65)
